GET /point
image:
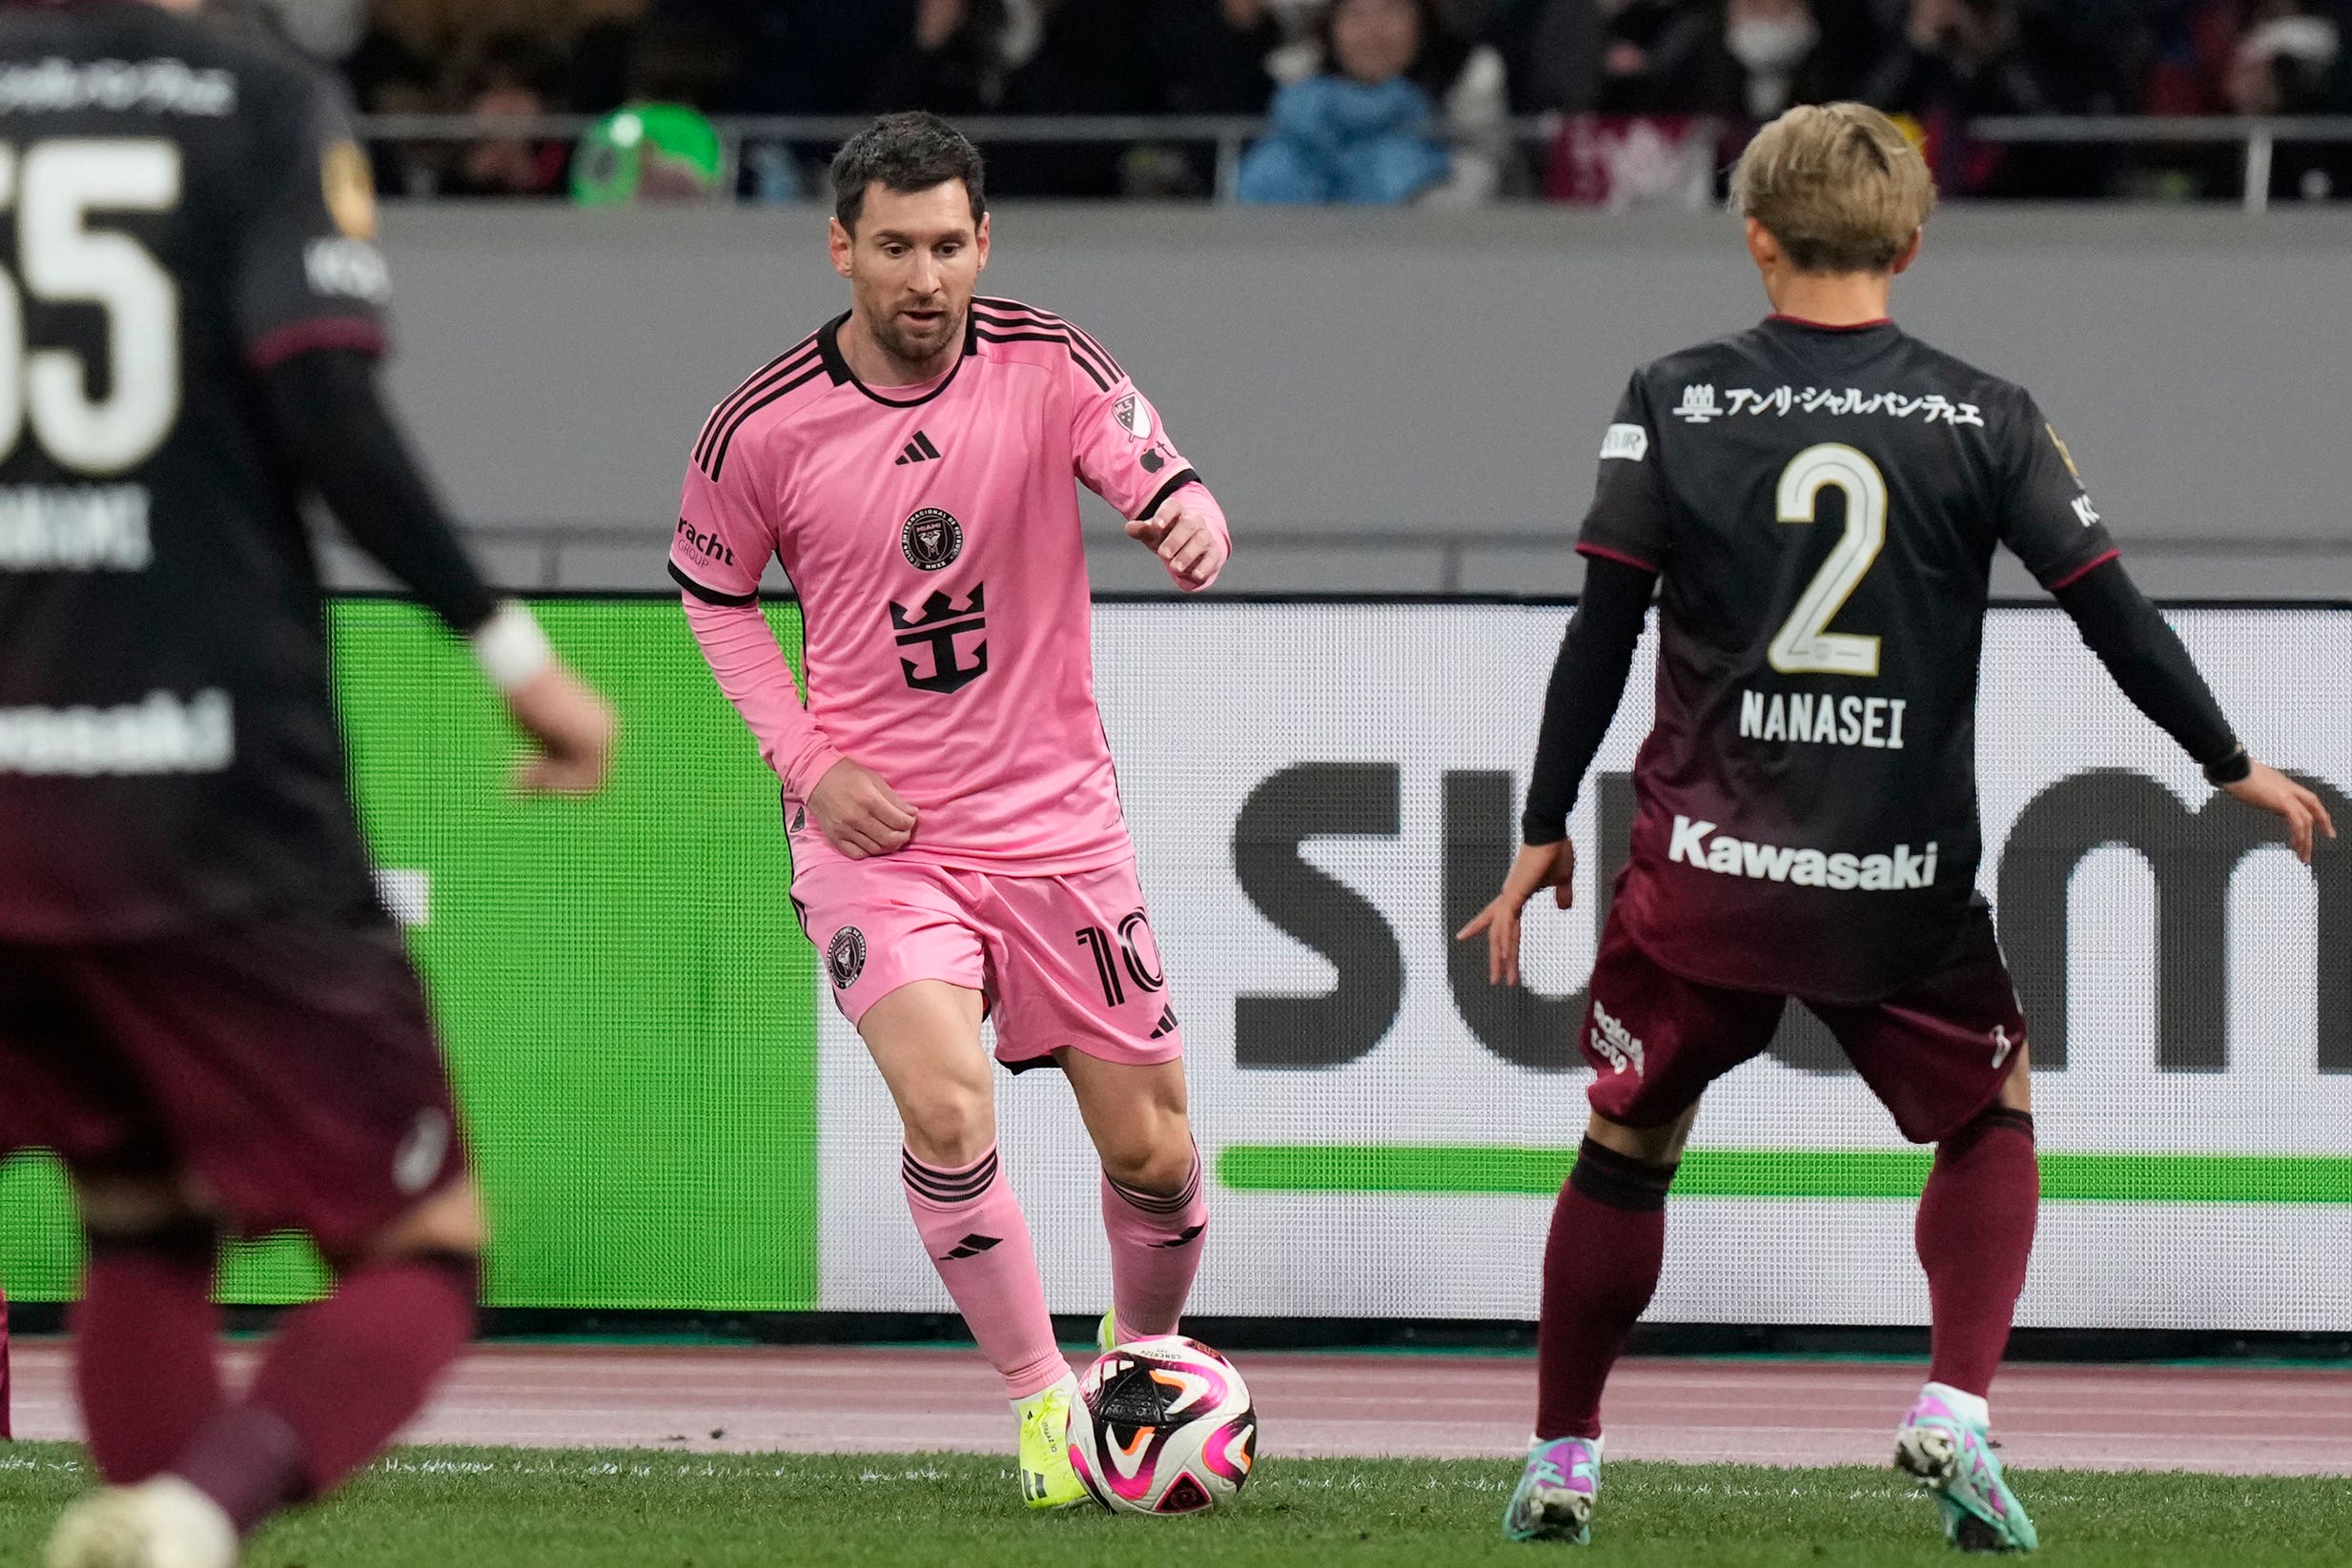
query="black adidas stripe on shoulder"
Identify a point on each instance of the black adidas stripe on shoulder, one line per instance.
(1063, 338)
(1079, 336)
(701, 442)
(800, 374)
(730, 408)
(744, 389)
(1019, 323)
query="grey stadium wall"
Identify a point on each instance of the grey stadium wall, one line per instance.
(1392, 402)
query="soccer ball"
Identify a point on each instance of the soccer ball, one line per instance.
(1162, 1426)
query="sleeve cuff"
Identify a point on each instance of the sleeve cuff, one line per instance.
(510, 646)
(1177, 482)
(802, 773)
(2231, 769)
(1535, 831)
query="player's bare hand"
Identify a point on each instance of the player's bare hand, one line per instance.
(2270, 790)
(859, 813)
(1185, 536)
(1537, 867)
(572, 727)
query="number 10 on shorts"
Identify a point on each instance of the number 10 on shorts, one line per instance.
(1110, 956)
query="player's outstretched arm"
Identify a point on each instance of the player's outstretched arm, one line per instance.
(1588, 683)
(329, 414)
(1123, 452)
(2146, 658)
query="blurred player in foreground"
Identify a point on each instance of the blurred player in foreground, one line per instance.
(1821, 495)
(204, 1009)
(959, 849)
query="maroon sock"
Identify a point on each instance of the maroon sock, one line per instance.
(1974, 1234)
(344, 1374)
(145, 1339)
(1600, 1268)
(6, 1433)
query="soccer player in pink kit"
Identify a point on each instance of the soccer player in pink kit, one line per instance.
(957, 845)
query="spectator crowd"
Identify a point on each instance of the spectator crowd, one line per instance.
(1367, 101)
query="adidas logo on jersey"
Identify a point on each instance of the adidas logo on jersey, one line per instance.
(1904, 868)
(918, 451)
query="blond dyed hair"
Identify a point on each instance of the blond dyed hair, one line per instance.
(1838, 185)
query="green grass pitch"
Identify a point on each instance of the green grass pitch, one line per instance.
(510, 1508)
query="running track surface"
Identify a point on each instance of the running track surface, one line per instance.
(2230, 1419)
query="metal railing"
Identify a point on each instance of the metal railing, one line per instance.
(1229, 134)
(2260, 137)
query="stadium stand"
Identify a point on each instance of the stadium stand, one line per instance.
(1643, 100)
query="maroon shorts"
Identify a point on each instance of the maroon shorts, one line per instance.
(284, 1070)
(1935, 1053)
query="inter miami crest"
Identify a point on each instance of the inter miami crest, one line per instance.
(845, 959)
(931, 540)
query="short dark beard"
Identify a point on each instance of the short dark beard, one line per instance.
(892, 341)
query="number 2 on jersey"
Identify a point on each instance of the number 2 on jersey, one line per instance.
(54, 187)
(1805, 645)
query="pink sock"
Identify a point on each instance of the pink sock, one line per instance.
(1154, 1252)
(972, 1228)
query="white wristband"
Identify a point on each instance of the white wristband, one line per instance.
(510, 647)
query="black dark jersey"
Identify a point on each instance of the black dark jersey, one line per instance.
(1823, 505)
(180, 208)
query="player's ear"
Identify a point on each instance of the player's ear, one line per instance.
(980, 244)
(1762, 248)
(840, 242)
(1910, 252)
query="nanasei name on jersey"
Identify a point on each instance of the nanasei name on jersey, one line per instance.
(1698, 845)
(1875, 722)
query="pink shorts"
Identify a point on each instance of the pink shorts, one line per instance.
(1066, 961)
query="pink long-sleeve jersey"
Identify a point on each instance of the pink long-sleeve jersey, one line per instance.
(932, 533)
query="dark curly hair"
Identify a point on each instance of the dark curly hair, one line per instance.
(906, 153)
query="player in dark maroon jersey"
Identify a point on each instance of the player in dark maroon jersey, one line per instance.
(204, 1008)
(1820, 496)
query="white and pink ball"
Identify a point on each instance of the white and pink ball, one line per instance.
(1163, 1426)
